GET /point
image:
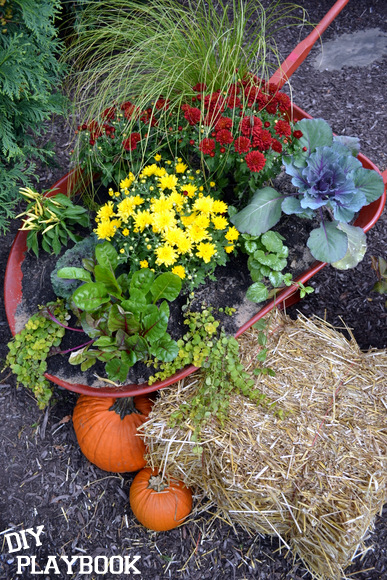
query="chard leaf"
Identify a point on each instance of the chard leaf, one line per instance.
(154, 323)
(106, 276)
(262, 213)
(327, 243)
(88, 363)
(106, 255)
(138, 344)
(72, 273)
(103, 341)
(166, 286)
(121, 320)
(117, 370)
(257, 292)
(357, 247)
(142, 280)
(165, 349)
(369, 182)
(90, 296)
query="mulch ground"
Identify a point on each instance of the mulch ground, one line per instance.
(45, 479)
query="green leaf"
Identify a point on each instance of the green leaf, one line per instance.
(119, 319)
(138, 344)
(103, 341)
(276, 279)
(257, 292)
(262, 213)
(369, 182)
(250, 247)
(166, 286)
(106, 277)
(357, 246)
(142, 280)
(272, 241)
(117, 370)
(90, 296)
(88, 363)
(315, 133)
(154, 324)
(327, 243)
(72, 273)
(106, 256)
(129, 358)
(165, 349)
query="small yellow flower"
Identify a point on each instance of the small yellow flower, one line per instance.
(229, 249)
(220, 222)
(219, 206)
(180, 167)
(127, 182)
(125, 232)
(204, 204)
(168, 182)
(179, 271)
(157, 157)
(122, 251)
(144, 264)
(232, 234)
(106, 211)
(189, 189)
(166, 255)
(212, 184)
(206, 251)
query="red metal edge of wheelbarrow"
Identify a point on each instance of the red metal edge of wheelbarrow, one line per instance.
(366, 219)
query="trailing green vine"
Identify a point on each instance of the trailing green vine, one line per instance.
(29, 349)
(207, 346)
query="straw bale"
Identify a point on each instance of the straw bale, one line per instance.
(315, 478)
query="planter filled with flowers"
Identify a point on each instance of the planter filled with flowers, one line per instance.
(181, 183)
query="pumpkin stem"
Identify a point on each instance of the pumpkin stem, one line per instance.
(124, 406)
(156, 483)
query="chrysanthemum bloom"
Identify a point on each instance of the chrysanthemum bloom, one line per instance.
(179, 271)
(297, 134)
(192, 115)
(233, 102)
(106, 211)
(184, 244)
(188, 190)
(255, 161)
(224, 137)
(223, 123)
(276, 146)
(130, 144)
(173, 236)
(220, 222)
(161, 203)
(206, 251)
(127, 207)
(242, 144)
(163, 221)
(166, 255)
(180, 167)
(283, 102)
(229, 249)
(207, 145)
(200, 87)
(204, 204)
(219, 206)
(150, 170)
(168, 182)
(144, 264)
(107, 229)
(127, 182)
(202, 220)
(141, 219)
(232, 234)
(248, 124)
(282, 128)
(196, 233)
(261, 139)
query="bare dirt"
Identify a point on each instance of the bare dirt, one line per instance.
(44, 478)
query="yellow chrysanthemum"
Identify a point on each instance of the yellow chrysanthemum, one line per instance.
(229, 249)
(179, 271)
(206, 251)
(125, 232)
(189, 190)
(106, 229)
(127, 182)
(178, 200)
(150, 170)
(204, 204)
(219, 206)
(142, 219)
(187, 220)
(232, 234)
(212, 183)
(173, 236)
(166, 255)
(106, 211)
(180, 167)
(184, 244)
(220, 222)
(168, 182)
(161, 204)
(157, 157)
(144, 264)
(202, 221)
(196, 233)
(163, 220)
(127, 206)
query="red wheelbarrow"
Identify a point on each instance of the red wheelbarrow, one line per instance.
(366, 219)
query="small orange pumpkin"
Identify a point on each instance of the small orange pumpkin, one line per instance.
(106, 429)
(158, 505)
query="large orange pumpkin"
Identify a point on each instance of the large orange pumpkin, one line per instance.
(106, 429)
(159, 505)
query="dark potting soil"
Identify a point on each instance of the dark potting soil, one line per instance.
(44, 478)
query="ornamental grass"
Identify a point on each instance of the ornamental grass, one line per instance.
(316, 477)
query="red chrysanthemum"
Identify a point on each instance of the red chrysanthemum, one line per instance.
(200, 87)
(276, 146)
(207, 146)
(192, 115)
(224, 137)
(214, 101)
(130, 144)
(242, 145)
(255, 161)
(109, 113)
(130, 111)
(223, 123)
(248, 124)
(282, 128)
(233, 90)
(233, 102)
(271, 106)
(297, 134)
(283, 102)
(162, 104)
(261, 139)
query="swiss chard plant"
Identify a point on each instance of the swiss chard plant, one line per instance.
(120, 314)
(331, 184)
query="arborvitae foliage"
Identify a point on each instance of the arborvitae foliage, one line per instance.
(29, 78)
